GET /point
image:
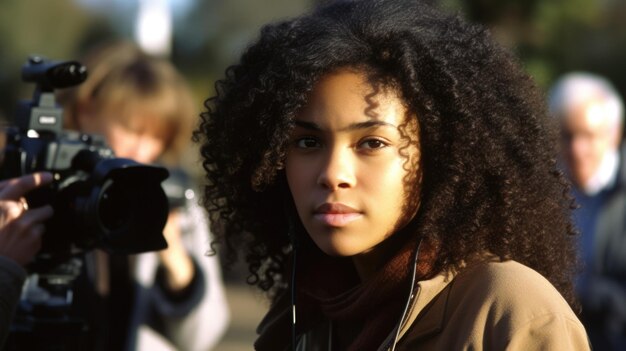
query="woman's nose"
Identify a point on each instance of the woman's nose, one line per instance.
(338, 170)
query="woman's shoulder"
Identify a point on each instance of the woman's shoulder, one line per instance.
(509, 283)
(517, 306)
(513, 296)
(496, 305)
(507, 272)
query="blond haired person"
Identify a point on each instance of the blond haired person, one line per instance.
(144, 109)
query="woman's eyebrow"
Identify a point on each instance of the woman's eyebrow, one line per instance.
(368, 124)
(354, 126)
(308, 125)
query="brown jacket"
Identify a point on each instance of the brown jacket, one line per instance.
(487, 306)
(491, 306)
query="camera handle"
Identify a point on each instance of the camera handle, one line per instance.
(43, 320)
(42, 113)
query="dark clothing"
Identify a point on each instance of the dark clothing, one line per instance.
(602, 286)
(110, 317)
(12, 276)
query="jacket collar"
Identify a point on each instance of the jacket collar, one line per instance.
(271, 330)
(428, 311)
(431, 316)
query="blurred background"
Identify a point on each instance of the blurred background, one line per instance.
(202, 37)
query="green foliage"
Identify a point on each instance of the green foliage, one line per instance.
(206, 40)
(550, 36)
(50, 28)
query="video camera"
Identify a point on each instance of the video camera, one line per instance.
(99, 201)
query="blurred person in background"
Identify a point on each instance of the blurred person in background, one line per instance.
(591, 114)
(21, 229)
(174, 298)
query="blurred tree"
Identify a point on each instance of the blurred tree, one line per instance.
(550, 36)
(49, 28)
(215, 33)
(555, 36)
(207, 37)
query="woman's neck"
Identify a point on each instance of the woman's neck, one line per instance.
(369, 262)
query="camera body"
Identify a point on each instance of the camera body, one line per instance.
(99, 201)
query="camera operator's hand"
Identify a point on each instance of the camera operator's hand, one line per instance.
(179, 269)
(21, 228)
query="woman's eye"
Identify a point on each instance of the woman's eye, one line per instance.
(373, 144)
(307, 143)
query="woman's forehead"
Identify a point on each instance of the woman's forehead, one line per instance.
(351, 93)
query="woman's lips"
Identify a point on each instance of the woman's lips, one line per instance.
(336, 214)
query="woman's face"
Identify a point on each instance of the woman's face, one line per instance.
(347, 164)
(142, 139)
(143, 145)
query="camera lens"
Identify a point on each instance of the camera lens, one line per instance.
(120, 207)
(131, 207)
(115, 206)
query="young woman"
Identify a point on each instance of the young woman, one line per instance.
(388, 172)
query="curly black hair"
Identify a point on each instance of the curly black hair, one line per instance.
(490, 177)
